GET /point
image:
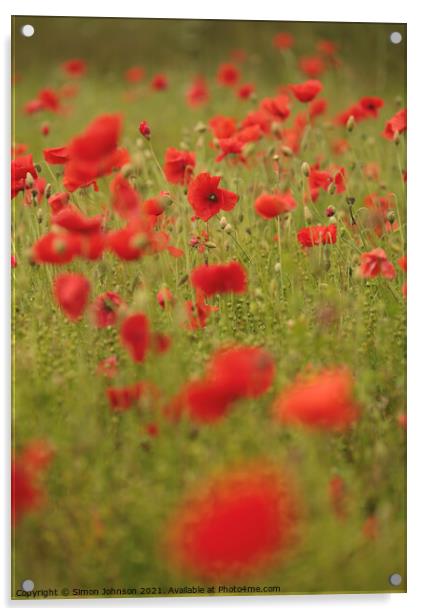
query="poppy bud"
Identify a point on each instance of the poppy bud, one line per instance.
(39, 215)
(396, 138)
(306, 170)
(241, 217)
(139, 142)
(350, 124)
(29, 180)
(277, 267)
(350, 200)
(228, 229)
(165, 201)
(308, 215)
(48, 191)
(127, 170)
(210, 244)
(331, 188)
(45, 129)
(391, 216)
(37, 167)
(332, 220)
(184, 146)
(276, 157)
(398, 101)
(200, 128)
(144, 129)
(223, 222)
(287, 151)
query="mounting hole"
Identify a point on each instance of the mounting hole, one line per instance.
(395, 579)
(27, 30)
(395, 38)
(28, 585)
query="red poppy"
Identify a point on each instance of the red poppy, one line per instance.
(159, 82)
(199, 311)
(108, 367)
(134, 335)
(36, 192)
(134, 74)
(74, 68)
(13, 261)
(396, 124)
(326, 47)
(71, 293)
(160, 343)
(312, 66)
(179, 165)
(270, 205)
(317, 107)
(245, 91)
(402, 262)
(144, 129)
(277, 107)
(95, 152)
(322, 401)
(371, 105)
(235, 524)
(27, 469)
(221, 278)
(56, 156)
(45, 129)
(231, 146)
(320, 234)
(164, 297)
(283, 40)
(375, 263)
(228, 74)
(207, 199)
(125, 199)
(105, 308)
(21, 166)
(305, 92)
(136, 239)
(153, 207)
(49, 100)
(71, 219)
(198, 93)
(222, 126)
(56, 248)
(123, 398)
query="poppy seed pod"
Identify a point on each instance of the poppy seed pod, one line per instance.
(29, 180)
(350, 124)
(332, 188)
(391, 216)
(306, 169)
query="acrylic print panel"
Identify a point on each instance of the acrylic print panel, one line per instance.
(209, 286)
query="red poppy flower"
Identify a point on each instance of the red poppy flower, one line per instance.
(164, 297)
(317, 107)
(123, 398)
(159, 82)
(320, 234)
(71, 293)
(271, 205)
(134, 74)
(250, 134)
(306, 91)
(228, 74)
(222, 126)
(277, 107)
(198, 93)
(160, 343)
(207, 199)
(144, 129)
(108, 367)
(179, 165)
(283, 40)
(245, 91)
(358, 113)
(402, 262)
(231, 146)
(71, 219)
(18, 149)
(56, 248)
(136, 239)
(56, 156)
(326, 47)
(371, 105)
(221, 278)
(312, 66)
(199, 311)
(45, 129)
(323, 401)
(36, 192)
(74, 68)
(21, 166)
(125, 199)
(375, 263)
(261, 118)
(235, 524)
(396, 124)
(27, 468)
(134, 335)
(95, 152)
(49, 100)
(105, 308)
(153, 207)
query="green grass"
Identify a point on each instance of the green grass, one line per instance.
(106, 474)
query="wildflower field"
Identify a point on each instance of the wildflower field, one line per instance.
(209, 287)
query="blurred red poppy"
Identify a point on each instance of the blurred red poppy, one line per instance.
(396, 124)
(104, 309)
(179, 166)
(134, 333)
(71, 293)
(375, 263)
(305, 92)
(272, 205)
(221, 278)
(134, 74)
(74, 68)
(228, 74)
(320, 234)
